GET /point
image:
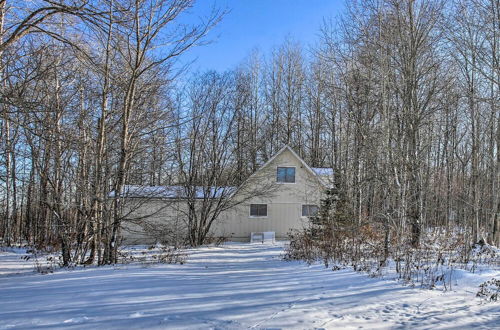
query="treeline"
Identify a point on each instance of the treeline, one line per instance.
(401, 98)
(85, 94)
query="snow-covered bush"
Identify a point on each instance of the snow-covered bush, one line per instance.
(334, 238)
(170, 255)
(155, 254)
(489, 290)
(43, 262)
(441, 252)
(301, 247)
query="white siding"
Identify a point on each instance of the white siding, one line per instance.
(284, 207)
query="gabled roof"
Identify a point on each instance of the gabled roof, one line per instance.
(319, 173)
(324, 176)
(172, 192)
(323, 171)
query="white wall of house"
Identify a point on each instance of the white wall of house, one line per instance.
(284, 206)
(148, 221)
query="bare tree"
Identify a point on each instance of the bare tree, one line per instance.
(207, 157)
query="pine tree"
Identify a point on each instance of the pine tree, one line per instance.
(334, 215)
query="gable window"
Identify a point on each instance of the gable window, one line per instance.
(309, 210)
(258, 210)
(285, 174)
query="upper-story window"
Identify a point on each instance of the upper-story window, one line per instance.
(285, 174)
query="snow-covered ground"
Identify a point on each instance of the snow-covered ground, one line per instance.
(231, 287)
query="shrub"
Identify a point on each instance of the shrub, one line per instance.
(489, 290)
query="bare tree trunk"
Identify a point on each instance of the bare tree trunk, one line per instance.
(100, 182)
(6, 230)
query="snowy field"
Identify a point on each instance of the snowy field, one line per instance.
(237, 286)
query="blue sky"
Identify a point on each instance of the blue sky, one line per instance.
(257, 24)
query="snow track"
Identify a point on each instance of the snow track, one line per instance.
(237, 286)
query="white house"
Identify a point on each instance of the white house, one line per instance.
(294, 191)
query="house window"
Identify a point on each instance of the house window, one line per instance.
(285, 174)
(309, 210)
(258, 210)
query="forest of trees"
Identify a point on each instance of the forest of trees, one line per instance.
(401, 98)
